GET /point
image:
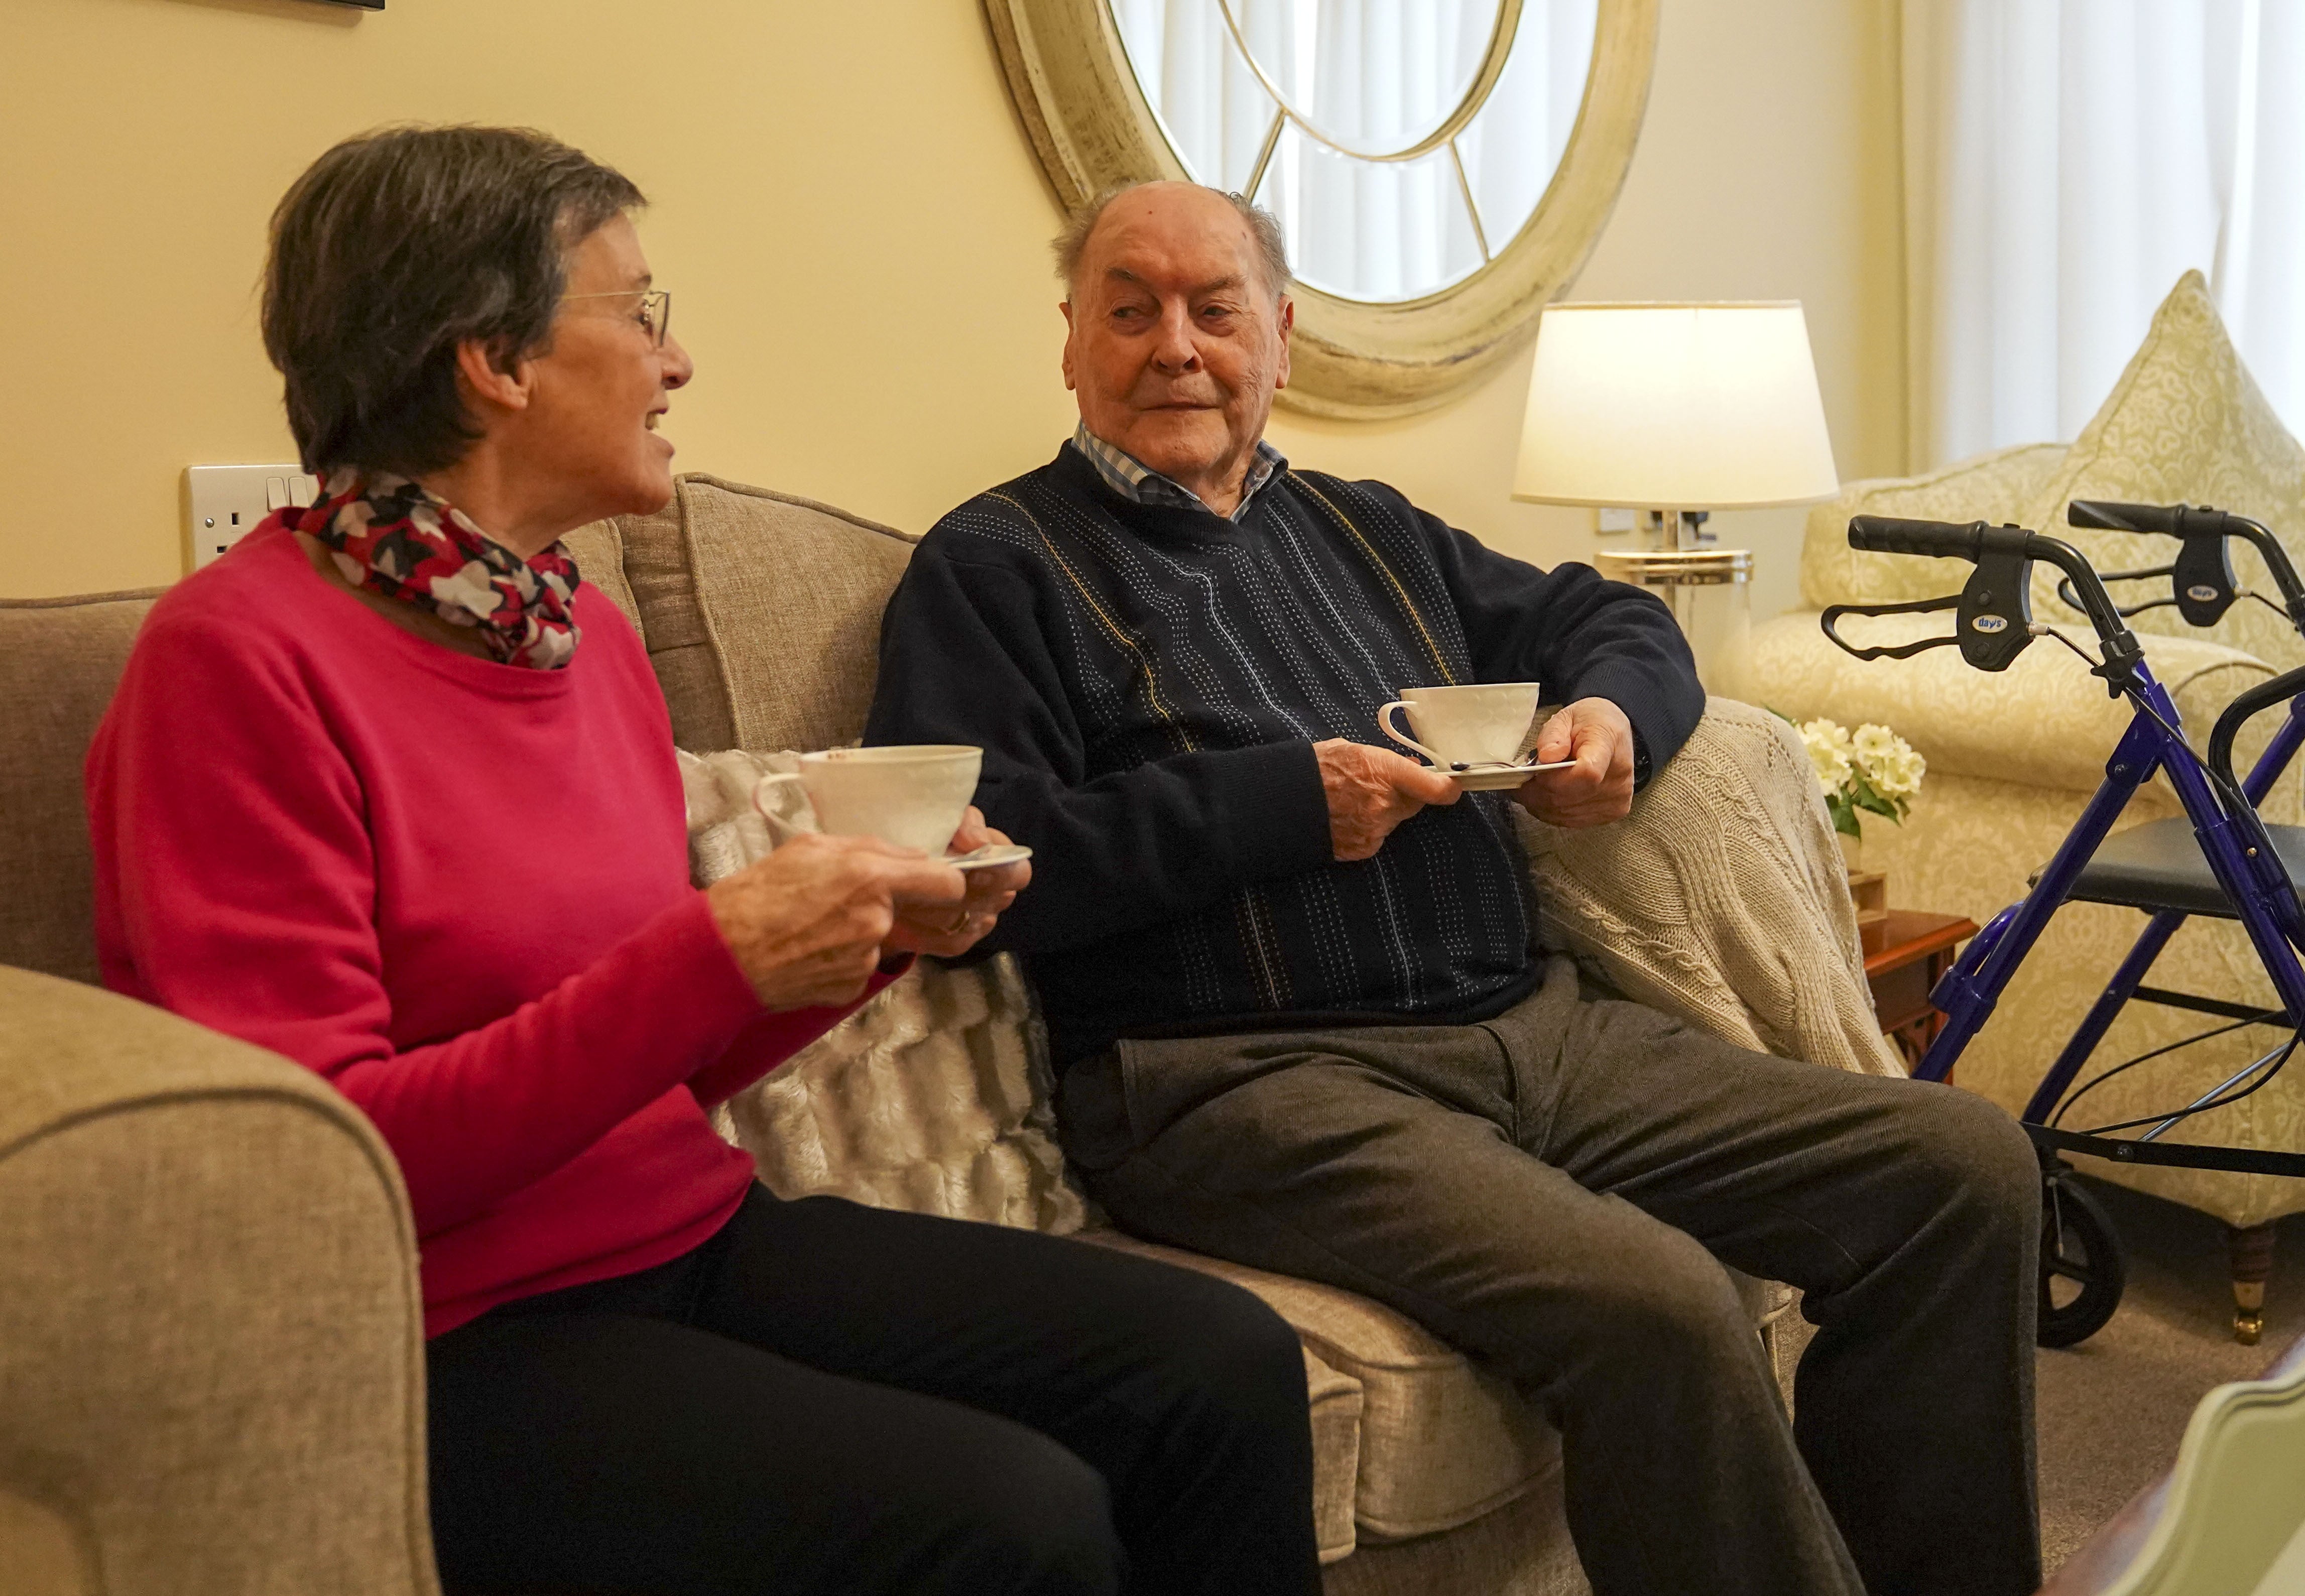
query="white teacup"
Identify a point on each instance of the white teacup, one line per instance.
(912, 794)
(1485, 724)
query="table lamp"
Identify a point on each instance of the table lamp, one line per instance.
(1678, 410)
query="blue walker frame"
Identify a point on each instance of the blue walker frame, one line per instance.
(1994, 625)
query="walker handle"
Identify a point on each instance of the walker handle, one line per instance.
(1947, 540)
(2168, 520)
(2198, 565)
(1995, 603)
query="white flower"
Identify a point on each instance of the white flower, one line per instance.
(1830, 753)
(1888, 761)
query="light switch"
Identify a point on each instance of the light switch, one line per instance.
(224, 503)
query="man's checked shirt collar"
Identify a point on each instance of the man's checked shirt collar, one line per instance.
(1133, 480)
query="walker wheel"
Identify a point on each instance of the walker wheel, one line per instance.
(2082, 1273)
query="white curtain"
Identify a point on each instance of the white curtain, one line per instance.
(2065, 162)
(1385, 72)
(1216, 111)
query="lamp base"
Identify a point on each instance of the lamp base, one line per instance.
(1677, 567)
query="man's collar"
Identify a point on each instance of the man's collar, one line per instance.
(1138, 482)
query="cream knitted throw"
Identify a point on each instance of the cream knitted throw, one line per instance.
(1722, 898)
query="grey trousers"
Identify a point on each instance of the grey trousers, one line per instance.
(1554, 1191)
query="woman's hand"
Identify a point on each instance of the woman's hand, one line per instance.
(950, 931)
(809, 924)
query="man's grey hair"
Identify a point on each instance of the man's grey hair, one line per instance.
(1264, 226)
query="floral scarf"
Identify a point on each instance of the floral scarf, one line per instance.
(390, 536)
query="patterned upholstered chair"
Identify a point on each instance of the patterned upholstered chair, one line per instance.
(2013, 757)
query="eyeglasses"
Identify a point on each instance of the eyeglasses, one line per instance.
(655, 309)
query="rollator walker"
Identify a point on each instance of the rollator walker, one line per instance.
(2219, 858)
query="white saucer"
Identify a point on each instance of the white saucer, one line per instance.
(989, 855)
(1497, 779)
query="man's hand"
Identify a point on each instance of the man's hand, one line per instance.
(1372, 790)
(1599, 787)
(947, 931)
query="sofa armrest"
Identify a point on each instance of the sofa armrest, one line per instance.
(1722, 899)
(211, 1346)
(2044, 722)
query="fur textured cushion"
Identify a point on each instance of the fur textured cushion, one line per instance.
(932, 1098)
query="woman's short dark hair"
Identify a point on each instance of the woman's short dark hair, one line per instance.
(400, 244)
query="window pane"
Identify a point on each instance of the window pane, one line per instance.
(1514, 145)
(1216, 113)
(1367, 230)
(1386, 72)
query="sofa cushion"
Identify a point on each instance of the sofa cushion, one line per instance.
(60, 660)
(1998, 486)
(761, 613)
(1443, 1440)
(1336, 1403)
(599, 551)
(2184, 424)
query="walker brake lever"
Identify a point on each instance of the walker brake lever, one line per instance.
(2072, 600)
(2202, 583)
(1994, 623)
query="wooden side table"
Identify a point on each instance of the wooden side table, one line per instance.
(1913, 950)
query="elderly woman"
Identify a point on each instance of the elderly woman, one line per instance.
(389, 790)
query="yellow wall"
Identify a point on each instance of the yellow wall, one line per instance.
(852, 225)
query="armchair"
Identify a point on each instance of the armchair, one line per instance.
(2013, 757)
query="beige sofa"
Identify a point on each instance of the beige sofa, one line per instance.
(209, 1340)
(2013, 757)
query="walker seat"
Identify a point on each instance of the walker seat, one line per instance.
(2159, 865)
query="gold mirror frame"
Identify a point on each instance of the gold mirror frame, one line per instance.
(1069, 75)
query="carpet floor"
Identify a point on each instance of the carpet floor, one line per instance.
(2112, 1409)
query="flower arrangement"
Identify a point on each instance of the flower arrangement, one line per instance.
(1871, 771)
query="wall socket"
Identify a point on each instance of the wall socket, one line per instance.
(1612, 519)
(224, 503)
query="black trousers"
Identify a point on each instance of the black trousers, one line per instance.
(1555, 1191)
(829, 1397)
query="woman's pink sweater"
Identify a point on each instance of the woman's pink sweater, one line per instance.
(458, 890)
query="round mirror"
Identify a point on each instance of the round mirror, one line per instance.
(1401, 146)
(1441, 167)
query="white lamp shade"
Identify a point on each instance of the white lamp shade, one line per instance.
(1674, 407)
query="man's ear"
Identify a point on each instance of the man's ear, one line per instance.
(1066, 307)
(1288, 323)
(493, 378)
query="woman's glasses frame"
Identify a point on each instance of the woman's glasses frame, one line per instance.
(656, 308)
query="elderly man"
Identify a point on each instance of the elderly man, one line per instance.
(1289, 992)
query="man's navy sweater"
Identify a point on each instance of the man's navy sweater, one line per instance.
(1147, 684)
